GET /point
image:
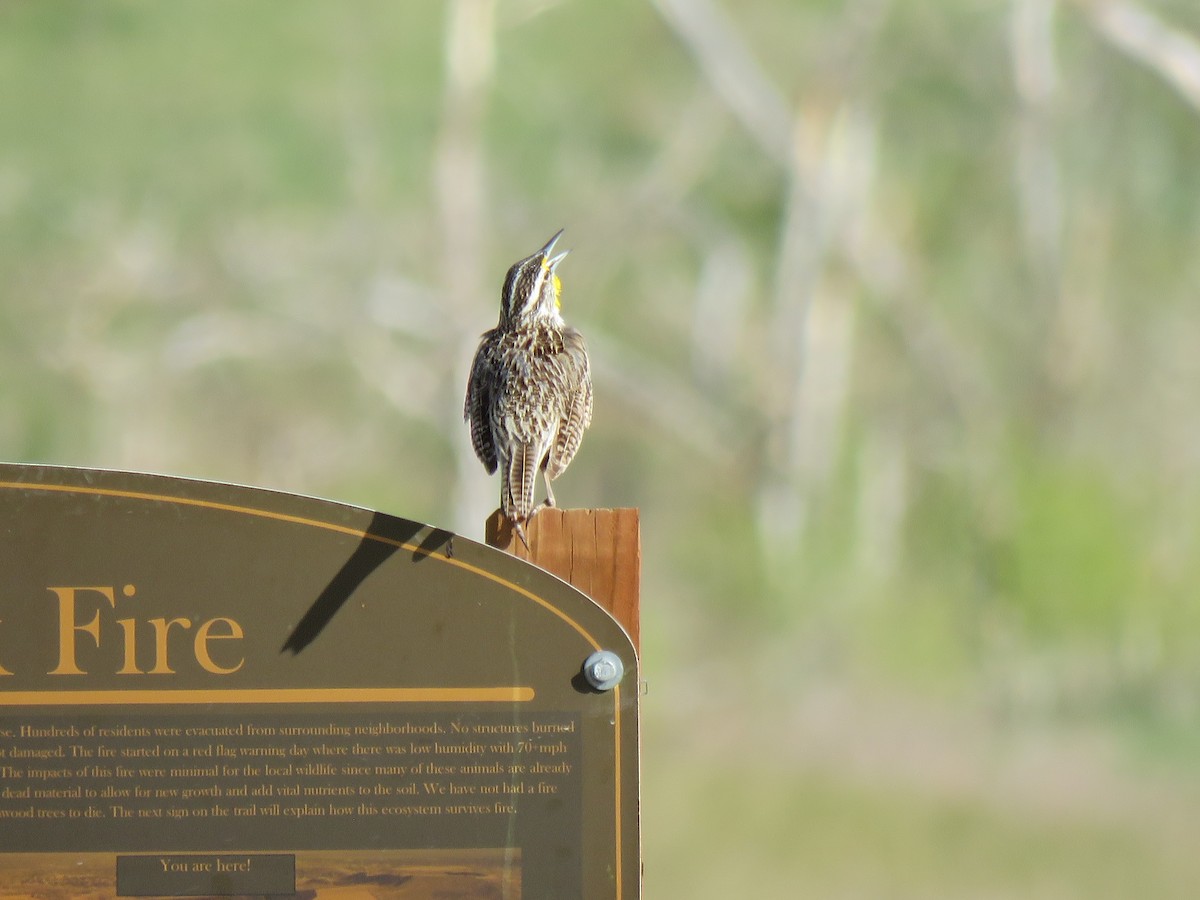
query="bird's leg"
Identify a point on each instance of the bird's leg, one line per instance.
(520, 530)
(506, 507)
(549, 492)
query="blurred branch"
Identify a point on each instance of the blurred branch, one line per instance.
(669, 403)
(1035, 71)
(723, 296)
(459, 161)
(808, 303)
(827, 179)
(800, 264)
(712, 38)
(828, 182)
(461, 198)
(409, 385)
(830, 174)
(1170, 53)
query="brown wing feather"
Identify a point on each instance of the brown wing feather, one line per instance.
(577, 412)
(478, 403)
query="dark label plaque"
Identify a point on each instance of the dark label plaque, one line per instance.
(209, 690)
(174, 875)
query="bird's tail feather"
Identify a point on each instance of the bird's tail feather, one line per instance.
(528, 475)
(521, 479)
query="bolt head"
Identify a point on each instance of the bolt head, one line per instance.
(603, 670)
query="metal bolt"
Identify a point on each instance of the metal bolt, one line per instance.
(603, 670)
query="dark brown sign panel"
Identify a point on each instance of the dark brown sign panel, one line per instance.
(209, 690)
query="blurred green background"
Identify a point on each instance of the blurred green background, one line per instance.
(893, 309)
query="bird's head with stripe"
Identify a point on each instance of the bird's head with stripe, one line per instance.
(531, 287)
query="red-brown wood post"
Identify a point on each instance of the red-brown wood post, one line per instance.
(598, 551)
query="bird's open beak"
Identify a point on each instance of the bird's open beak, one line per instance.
(553, 261)
(545, 251)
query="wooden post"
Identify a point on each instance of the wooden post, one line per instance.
(598, 551)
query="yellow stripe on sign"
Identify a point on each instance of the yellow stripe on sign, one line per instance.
(289, 695)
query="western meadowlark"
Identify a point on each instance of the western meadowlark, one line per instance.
(529, 395)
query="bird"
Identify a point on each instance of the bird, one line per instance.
(529, 392)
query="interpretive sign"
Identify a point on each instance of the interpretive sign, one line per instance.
(209, 690)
